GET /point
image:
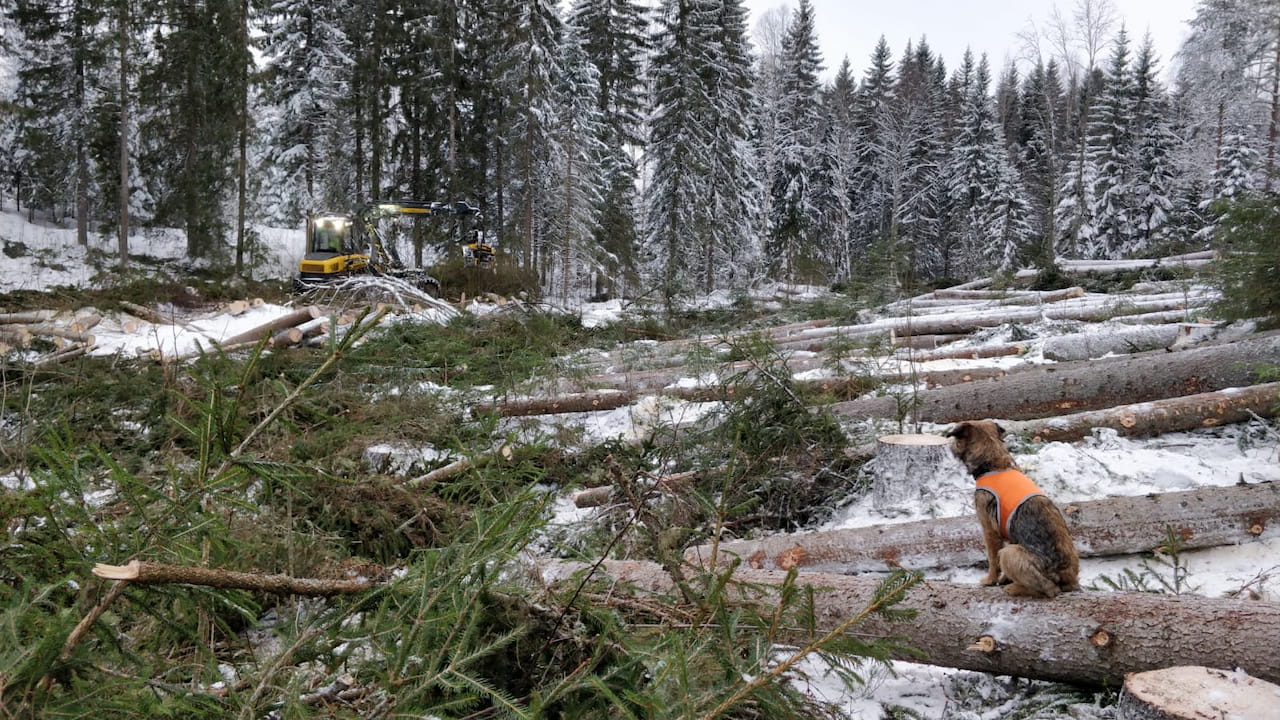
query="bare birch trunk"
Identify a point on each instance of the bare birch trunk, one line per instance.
(1088, 638)
(1206, 517)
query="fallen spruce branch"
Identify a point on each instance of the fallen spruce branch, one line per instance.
(1087, 638)
(149, 573)
(1205, 517)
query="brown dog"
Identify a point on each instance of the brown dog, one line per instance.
(1027, 541)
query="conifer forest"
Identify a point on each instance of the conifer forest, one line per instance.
(624, 146)
(677, 412)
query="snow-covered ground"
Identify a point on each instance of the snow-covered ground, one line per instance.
(37, 257)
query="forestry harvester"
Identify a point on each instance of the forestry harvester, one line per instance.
(342, 245)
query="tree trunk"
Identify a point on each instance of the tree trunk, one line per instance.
(292, 319)
(1011, 297)
(148, 573)
(1083, 346)
(1205, 517)
(1049, 390)
(1197, 693)
(907, 466)
(1087, 638)
(1189, 412)
(122, 236)
(242, 138)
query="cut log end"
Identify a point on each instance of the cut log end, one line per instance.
(1192, 692)
(985, 644)
(117, 572)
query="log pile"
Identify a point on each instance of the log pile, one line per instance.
(52, 337)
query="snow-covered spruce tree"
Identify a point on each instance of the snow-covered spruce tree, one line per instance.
(615, 38)
(701, 226)
(191, 93)
(913, 155)
(1041, 138)
(1229, 80)
(1110, 149)
(530, 71)
(59, 56)
(576, 152)
(308, 62)
(793, 206)
(838, 145)
(984, 189)
(1154, 144)
(873, 191)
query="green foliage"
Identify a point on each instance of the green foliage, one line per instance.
(1165, 572)
(1248, 241)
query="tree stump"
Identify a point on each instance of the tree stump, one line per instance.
(910, 468)
(1192, 692)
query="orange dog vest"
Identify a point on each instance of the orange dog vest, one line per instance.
(1011, 488)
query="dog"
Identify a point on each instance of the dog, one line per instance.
(1027, 541)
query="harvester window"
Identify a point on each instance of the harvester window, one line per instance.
(329, 235)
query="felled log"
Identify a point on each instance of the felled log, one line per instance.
(1205, 517)
(1091, 310)
(62, 356)
(1048, 390)
(1083, 346)
(149, 573)
(85, 320)
(1190, 412)
(16, 336)
(1085, 638)
(286, 338)
(1197, 693)
(924, 342)
(976, 353)
(237, 307)
(1011, 297)
(145, 313)
(55, 331)
(297, 317)
(23, 318)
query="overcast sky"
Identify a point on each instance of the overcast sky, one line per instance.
(852, 27)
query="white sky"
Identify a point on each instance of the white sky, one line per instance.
(852, 27)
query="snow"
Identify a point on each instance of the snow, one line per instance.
(1103, 465)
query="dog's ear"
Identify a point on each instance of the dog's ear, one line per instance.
(999, 430)
(961, 430)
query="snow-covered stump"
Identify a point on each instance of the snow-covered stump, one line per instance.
(1193, 692)
(908, 467)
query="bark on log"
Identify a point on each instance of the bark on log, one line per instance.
(1195, 312)
(145, 313)
(286, 338)
(1205, 517)
(1049, 390)
(1011, 297)
(85, 321)
(977, 353)
(17, 336)
(55, 331)
(1197, 693)
(297, 317)
(924, 342)
(35, 316)
(1090, 638)
(1083, 346)
(1091, 310)
(1191, 412)
(148, 573)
